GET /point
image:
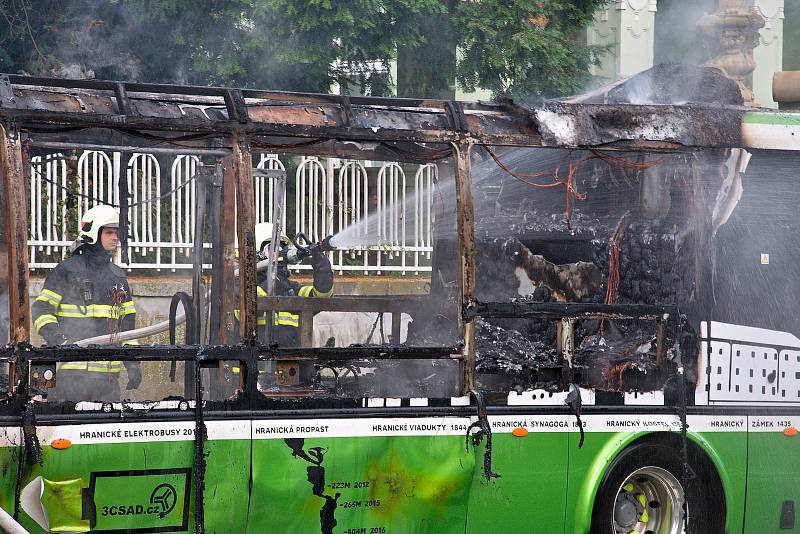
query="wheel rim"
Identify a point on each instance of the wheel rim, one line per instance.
(649, 501)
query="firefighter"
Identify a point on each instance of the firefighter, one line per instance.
(285, 331)
(86, 295)
(286, 324)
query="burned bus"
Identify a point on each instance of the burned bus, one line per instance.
(603, 338)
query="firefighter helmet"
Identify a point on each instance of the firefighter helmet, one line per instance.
(96, 218)
(264, 235)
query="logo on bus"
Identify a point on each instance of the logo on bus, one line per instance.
(165, 496)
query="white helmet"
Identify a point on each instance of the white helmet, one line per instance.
(264, 235)
(96, 218)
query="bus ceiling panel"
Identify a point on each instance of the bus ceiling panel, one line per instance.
(580, 125)
(81, 103)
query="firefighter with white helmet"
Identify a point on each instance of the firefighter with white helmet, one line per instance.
(86, 295)
(286, 324)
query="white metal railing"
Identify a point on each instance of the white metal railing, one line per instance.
(391, 215)
(144, 182)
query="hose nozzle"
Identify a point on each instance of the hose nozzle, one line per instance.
(325, 244)
(303, 248)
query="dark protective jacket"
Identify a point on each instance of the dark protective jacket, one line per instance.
(286, 331)
(86, 295)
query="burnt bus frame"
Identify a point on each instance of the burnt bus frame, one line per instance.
(142, 117)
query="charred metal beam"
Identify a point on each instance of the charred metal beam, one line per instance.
(234, 103)
(217, 258)
(455, 114)
(245, 212)
(125, 353)
(87, 103)
(224, 272)
(123, 102)
(306, 328)
(12, 172)
(560, 310)
(191, 90)
(74, 103)
(179, 108)
(396, 323)
(192, 353)
(200, 436)
(383, 352)
(389, 304)
(465, 217)
(113, 140)
(347, 110)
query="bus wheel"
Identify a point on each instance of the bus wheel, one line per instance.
(642, 494)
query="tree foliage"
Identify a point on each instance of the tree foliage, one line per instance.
(521, 47)
(525, 48)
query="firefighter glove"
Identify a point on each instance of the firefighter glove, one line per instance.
(134, 375)
(53, 335)
(318, 257)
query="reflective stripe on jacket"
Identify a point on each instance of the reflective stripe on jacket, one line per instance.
(75, 303)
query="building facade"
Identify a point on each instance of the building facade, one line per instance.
(641, 33)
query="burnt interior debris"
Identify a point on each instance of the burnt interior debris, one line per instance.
(635, 237)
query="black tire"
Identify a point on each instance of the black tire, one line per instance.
(655, 462)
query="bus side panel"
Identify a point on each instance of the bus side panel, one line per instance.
(530, 494)
(10, 451)
(227, 474)
(359, 484)
(116, 477)
(99, 482)
(773, 474)
(728, 453)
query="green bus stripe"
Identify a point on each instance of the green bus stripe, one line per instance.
(782, 119)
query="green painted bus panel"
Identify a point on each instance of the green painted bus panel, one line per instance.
(226, 485)
(773, 477)
(586, 467)
(140, 485)
(77, 464)
(771, 118)
(361, 485)
(728, 453)
(9, 464)
(531, 490)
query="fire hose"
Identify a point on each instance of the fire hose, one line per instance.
(129, 335)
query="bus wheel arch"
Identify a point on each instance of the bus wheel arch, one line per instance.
(643, 482)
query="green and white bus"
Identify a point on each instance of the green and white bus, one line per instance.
(648, 414)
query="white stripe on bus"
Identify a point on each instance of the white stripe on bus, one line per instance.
(387, 426)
